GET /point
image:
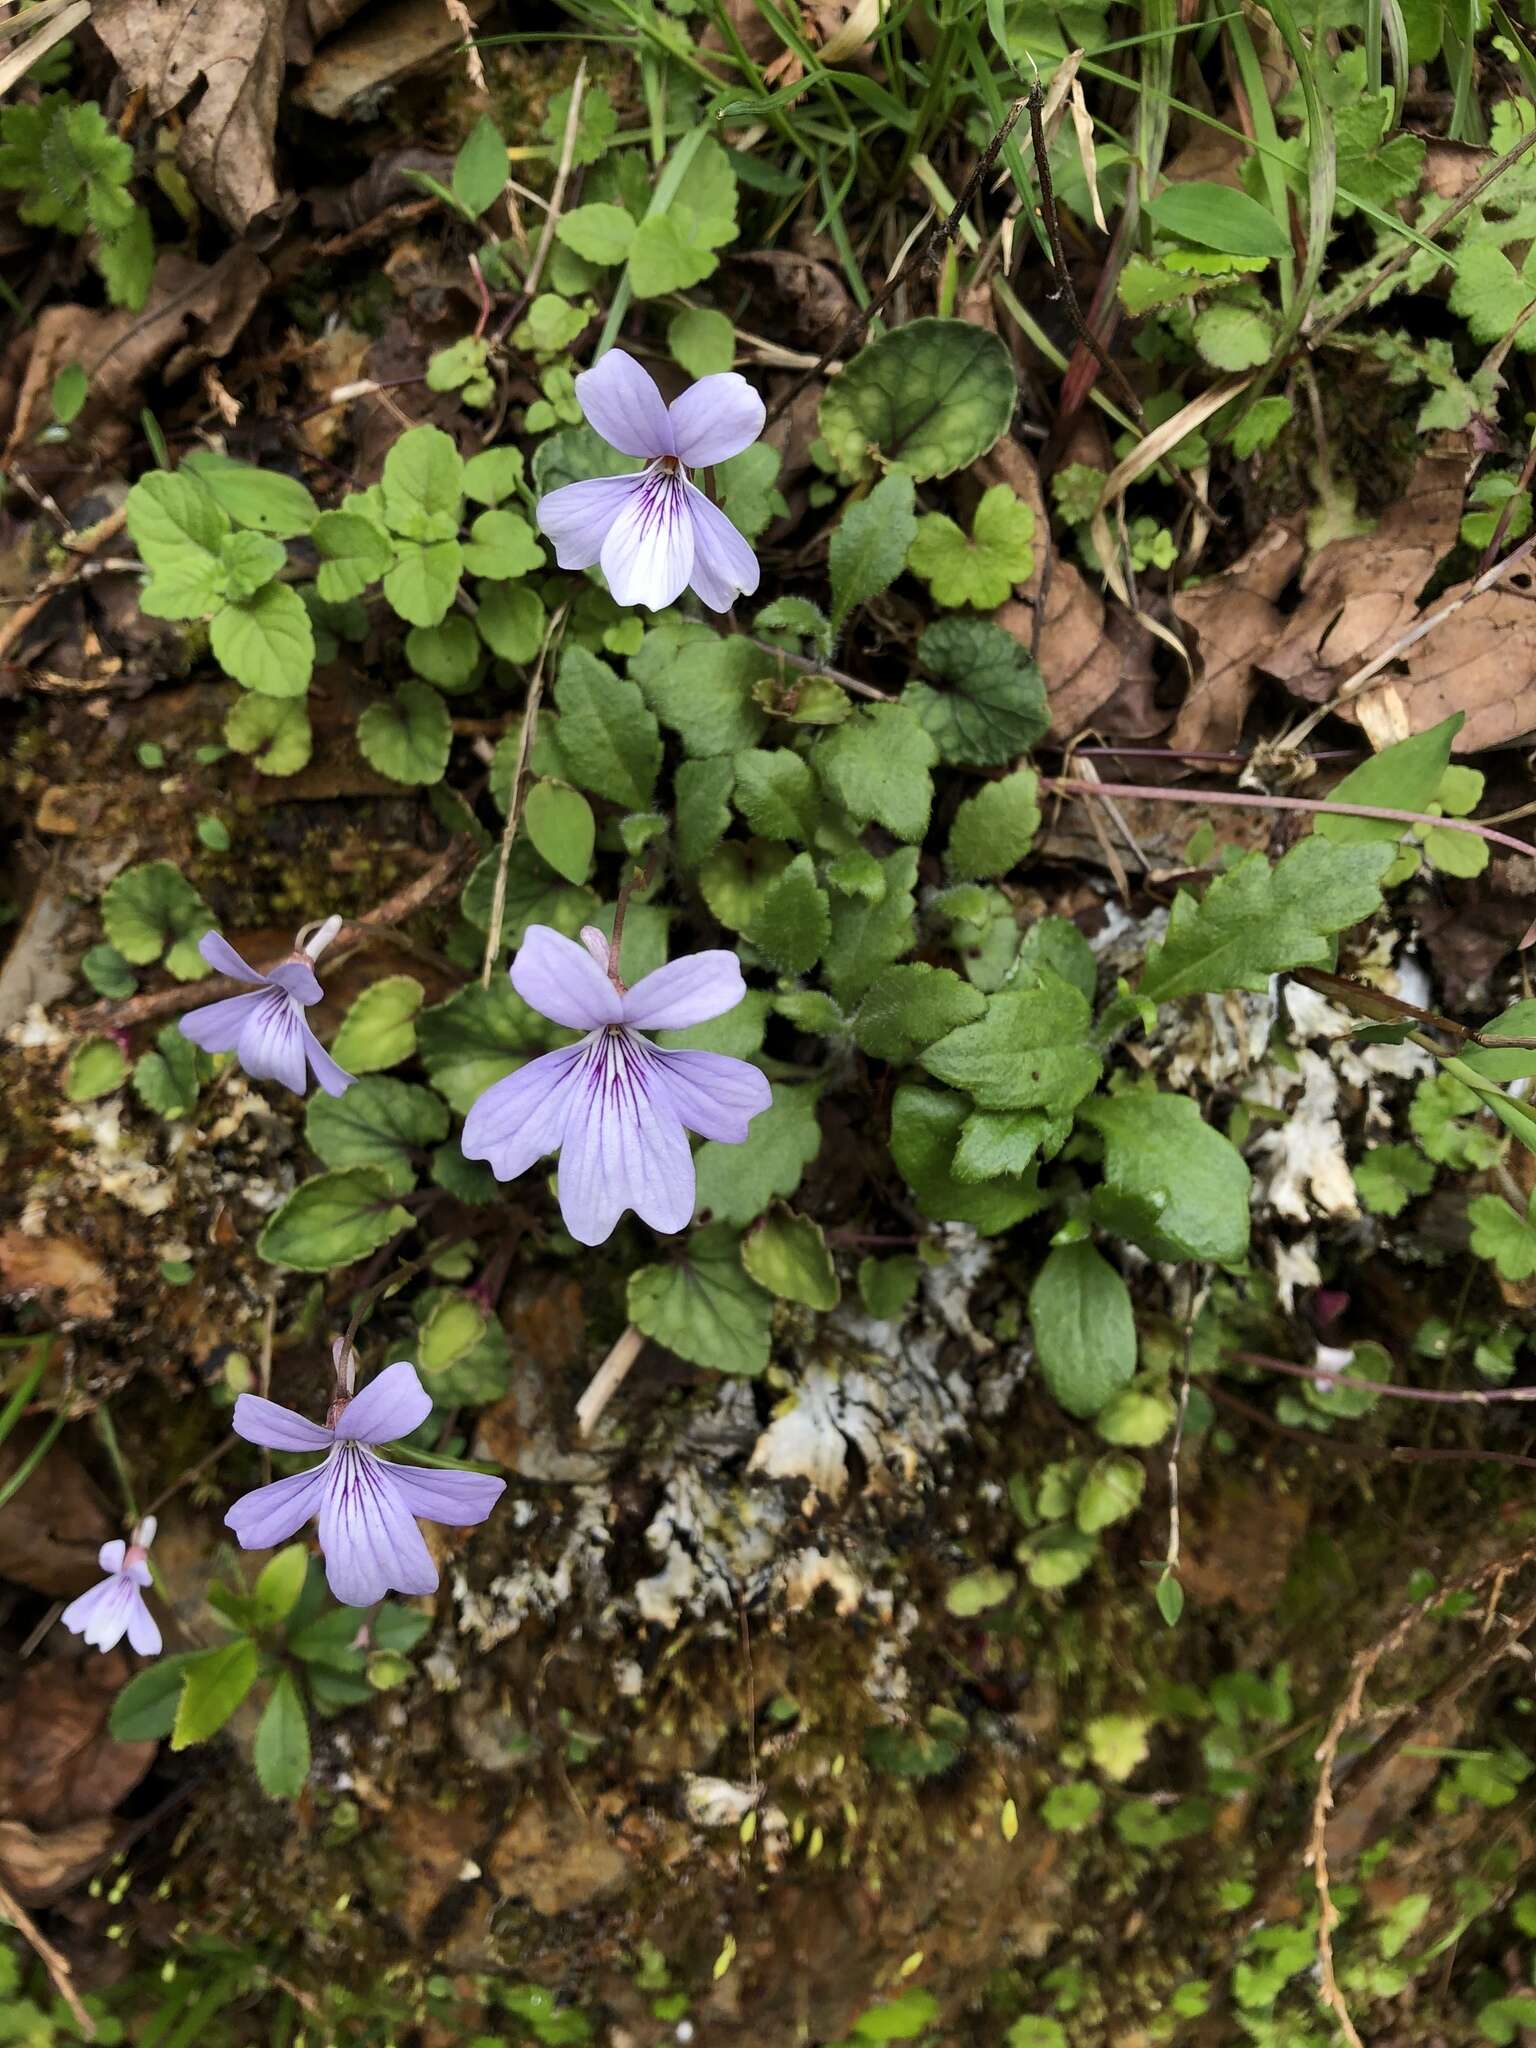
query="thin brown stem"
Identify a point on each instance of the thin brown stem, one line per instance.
(515, 798)
(1250, 800)
(1321, 1375)
(1064, 285)
(53, 1961)
(402, 903)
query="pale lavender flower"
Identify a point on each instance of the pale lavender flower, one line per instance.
(368, 1506)
(115, 1608)
(266, 1030)
(654, 533)
(616, 1107)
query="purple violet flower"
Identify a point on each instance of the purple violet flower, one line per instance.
(654, 533)
(368, 1506)
(616, 1107)
(115, 1608)
(266, 1030)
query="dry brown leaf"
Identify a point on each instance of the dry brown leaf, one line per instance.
(231, 53)
(51, 1530)
(1238, 1548)
(60, 1268)
(434, 1847)
(811, 293)
(58, 1764)
(1481, 660)
(38, 1867)
(1079, 657)
(1359, 594)
(38, 966)
(371, 55)
(1231, 618)
(193, 314)
(555, 1861)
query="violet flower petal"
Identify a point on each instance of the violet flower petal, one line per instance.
(297, 978)
(521, 1117)
(577, 516)
(371, 1543)
(621, 401)
(143, 1630)
(724, 567)
(715, 419)
(648, 555)
(222, 957)
(686, 991)
(562, 981)
(333, 1079)
(271, 1044)
(456, 1499)
(624, 1148)
(277, 1428)
(714, 1094)
(110, 1556)
(95, 1615)
(269, 1515)
(392, 1404)
(216, 1027)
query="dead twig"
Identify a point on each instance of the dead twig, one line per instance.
(1251, 800)
(428, 886)
(1437, 227)
(607, 1380)
(1349, 1711)
(1353, 685)
(515, 799)
(56, 1964)
(562, 176)
(82, 547)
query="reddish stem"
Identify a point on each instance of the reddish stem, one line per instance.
(1246, 800)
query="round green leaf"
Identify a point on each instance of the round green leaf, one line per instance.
(511, 621)
(562, 828)
(447, 655)
(788, 1255)
(267, 643)
(704, 1307)
(423, 580)
(353, 553)
(96, 1069)
(333, 1220)
(275, 731)
(381, 1123)
(933, 395)
(151, 906)
(409, 738)
(379, 1030)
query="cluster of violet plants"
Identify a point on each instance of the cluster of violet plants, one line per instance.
(615, 1107)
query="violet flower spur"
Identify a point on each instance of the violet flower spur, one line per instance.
(115, 1608)
(368, 1506)
(654, 533)
(614, 1106)
(266, 1030)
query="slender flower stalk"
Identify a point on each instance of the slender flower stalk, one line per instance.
(615, 1106)
(266, 1030)
(116, 1608)
(654, 533)
(367, 1506)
